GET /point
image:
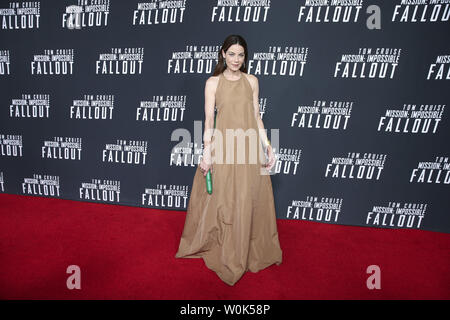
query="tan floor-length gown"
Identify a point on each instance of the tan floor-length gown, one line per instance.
(233, 229)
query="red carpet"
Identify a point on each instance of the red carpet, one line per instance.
(128, 253)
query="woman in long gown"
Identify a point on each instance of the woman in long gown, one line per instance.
(234, 228)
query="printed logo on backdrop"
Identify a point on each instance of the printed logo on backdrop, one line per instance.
(41, 185)
(279, 60)
(126, 151)
(162, 109)
(11, 145)
(4, 62)
(437, 172)
(323, 115)
(368, 63)
(437, 70)
(262, 106)
(185, 153)
(93, 107)
(159, 12)
(287, 160)
(21, 15)
(65, 148)
(86, 13)
(396, 215)
(421, 11)
(53, 62)
(194, 59)
(424, 118)
(366, 166)
(314, 208)
(30, 106)
(122, 61)
(324, 11)
(100, 190)
(240, 11)
(163, 196)
(2, 182)
(287, 60)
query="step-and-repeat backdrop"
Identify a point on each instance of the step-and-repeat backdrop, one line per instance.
(98, 96)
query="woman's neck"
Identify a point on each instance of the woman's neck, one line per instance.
(232, 74)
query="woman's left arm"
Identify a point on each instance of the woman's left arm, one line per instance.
(259, 121)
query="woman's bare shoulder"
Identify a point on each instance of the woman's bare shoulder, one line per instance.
(252, 79)
(211, 83)
(212, 79)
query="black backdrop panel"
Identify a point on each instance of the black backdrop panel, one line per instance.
(357, 115)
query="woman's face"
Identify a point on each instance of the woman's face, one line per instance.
(234, 57)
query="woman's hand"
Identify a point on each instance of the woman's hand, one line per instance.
(271, 160)
(205, 164)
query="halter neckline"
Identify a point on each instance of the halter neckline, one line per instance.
(232, 80)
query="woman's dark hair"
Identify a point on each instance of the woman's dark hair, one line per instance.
(229, 41)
